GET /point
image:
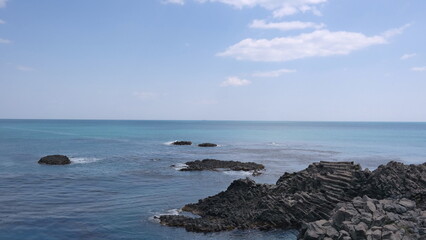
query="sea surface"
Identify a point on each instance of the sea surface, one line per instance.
(121, 174)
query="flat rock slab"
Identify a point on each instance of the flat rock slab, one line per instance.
(215, 165)
(181, 143)
(55, 160)
(207, 145)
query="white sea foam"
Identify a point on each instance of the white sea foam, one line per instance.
(179, 166)
(81, 160)
(238, 173)
(169, 143)
(156, 217)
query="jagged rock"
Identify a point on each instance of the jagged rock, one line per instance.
(213, 165)
(308, 196)
(54, 160)
(207, 145)
(387, 221)
(180, 143)
(398, 180)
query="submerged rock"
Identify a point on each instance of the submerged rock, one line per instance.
(207, 145)
(55, 160)
(366, 218)
(182, 143)
(214, 165)
(297, 198)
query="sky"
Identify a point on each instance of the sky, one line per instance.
(279, 60)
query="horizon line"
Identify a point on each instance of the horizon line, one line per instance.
(200, 120)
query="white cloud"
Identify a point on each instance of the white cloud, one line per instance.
(395, 31)
(279, 8)
(408, 55)
(418, 69)
(4, 41)
(145, 95)
(2, 22)
(235, 82)
(285, 26)
(24, 68)
(272, 74)
(319, 43)
(3, 3)
(180, 2)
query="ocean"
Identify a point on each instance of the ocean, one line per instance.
(121, 174)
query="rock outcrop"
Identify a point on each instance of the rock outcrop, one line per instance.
(54, 160)
(214, 165)
(180, 143)
(302, 197)
(207, 145)
(365, 218)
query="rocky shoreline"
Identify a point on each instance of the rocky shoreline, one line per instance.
(298, 200)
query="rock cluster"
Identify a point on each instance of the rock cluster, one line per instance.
(302, 197)
(214, 165)
(180, 143)
(54, 160)
(207, 145)
(365, 218)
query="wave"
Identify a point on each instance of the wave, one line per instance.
(179, 166)
(169, 143)
(156, 217)
(238, 173)
(82, 160)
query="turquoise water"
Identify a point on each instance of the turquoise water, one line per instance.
(121, 175)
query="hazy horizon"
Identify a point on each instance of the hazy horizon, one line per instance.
(259, 60)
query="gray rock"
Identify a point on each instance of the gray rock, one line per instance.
(54, 160)
(331, 191)
(405, 225)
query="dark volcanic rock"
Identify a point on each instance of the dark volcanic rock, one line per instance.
(398, 180)
(213, 165)
(182, 143)
(207, 145)
(365, 218)
(54, 160)
(306, 196)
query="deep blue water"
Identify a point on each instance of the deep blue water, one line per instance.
(121, 175)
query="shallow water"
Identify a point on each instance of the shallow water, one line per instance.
(121, 175)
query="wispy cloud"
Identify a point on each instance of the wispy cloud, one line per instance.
(3, 3)
(285, 26)
(2, 22)
(4, 41)
(418, 69)
(272, 74)
(319, 43)
(24, 68)
(408, 56)
(145, 95)
(235, 82)
(279, 8)
(180, 2)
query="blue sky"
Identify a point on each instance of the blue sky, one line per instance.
(310, 60)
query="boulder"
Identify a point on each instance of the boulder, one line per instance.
(207, 145)
(55, 160)
(180, 143)
(403, 225)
